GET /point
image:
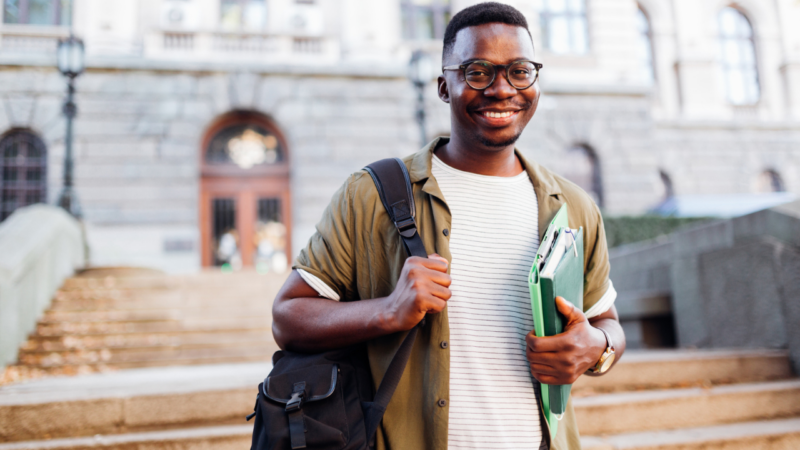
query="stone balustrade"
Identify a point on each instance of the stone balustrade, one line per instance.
(202, 45)
(40, 246)
(25, 39)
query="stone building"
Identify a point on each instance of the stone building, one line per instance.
(214, 131)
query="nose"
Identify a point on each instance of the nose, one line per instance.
(500, 88)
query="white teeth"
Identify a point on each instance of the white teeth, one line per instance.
(497, 115)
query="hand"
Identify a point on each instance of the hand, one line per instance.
(561, 359)
(422, 289)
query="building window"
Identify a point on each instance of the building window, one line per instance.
(645, 50)
(243, 15)
(425, 19)
(564, 26)
(38, 12)
(769, 181)
(23, 171)
(584, 170)
(738, 57)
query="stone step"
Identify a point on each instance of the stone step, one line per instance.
(145, 353)
(17, 373)
(629, 412)
(223, 311)
(66, 342)
(129, 401)
(55, 317)
(150, 303)
(684, 368)
(148, 326)
(231, 437)
(782, 434)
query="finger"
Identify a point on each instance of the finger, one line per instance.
(551, 359)
(569, 311)
(435, 262)
(434, 305)
(549, 379)
(440, 278)
(547, 344)
(439, 291)
(544, 369)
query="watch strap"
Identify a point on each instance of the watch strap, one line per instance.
(608, 338)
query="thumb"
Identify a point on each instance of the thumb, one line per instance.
(569, 311)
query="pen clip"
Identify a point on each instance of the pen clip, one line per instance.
(574, 241)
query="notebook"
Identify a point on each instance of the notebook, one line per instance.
(557, 271)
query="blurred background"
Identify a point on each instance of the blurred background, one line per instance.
(191, 146)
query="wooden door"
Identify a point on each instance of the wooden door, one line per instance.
(244, 195)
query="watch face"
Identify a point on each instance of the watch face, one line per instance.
(607, 363)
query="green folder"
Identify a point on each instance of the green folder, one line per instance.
(557, 271)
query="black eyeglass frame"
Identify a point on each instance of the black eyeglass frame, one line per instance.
(504, 67)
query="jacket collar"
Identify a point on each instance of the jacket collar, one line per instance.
(548, 190)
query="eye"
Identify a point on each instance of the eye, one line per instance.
(477, 73)
(479, 70)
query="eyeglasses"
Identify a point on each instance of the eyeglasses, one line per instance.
(481, 74)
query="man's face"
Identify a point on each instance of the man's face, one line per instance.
(494, 117)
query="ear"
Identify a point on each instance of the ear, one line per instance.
(444, 93)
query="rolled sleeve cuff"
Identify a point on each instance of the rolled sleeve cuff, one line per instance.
(604, 303)
(320, 286)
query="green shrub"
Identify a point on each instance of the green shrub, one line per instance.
(627, 229)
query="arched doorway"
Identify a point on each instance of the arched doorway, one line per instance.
(244, 194)
(583, 169)
(23, 171)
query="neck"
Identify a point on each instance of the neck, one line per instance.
(475, 158)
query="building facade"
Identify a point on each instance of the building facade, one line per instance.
(214, 132)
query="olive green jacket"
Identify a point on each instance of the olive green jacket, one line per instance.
(359, 254)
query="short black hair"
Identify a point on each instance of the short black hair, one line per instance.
(482, 13)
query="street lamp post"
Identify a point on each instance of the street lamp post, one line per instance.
(70, 64)
(419, 72)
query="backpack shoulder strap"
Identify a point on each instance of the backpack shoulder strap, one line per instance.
(394, 186)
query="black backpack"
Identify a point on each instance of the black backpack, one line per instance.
(325, 400)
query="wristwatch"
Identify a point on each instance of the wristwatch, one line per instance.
(607, 358)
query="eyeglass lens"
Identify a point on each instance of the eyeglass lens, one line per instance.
(480, 75)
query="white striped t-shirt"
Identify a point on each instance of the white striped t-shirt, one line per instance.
(494, 237)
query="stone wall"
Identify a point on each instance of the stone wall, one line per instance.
(40, 246)
(138, 132)
(137, 139)
(732, 283)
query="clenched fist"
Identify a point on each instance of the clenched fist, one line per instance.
(562, 358)
(423, 288)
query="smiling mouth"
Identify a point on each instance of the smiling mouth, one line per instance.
(497, 115)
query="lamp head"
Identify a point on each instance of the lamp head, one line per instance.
(70, 56)
(420, 68)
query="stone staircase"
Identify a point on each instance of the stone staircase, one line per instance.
(173, 362)
(670, 400)
(105, 320)
(726, 400)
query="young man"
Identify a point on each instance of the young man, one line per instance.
(481, 208)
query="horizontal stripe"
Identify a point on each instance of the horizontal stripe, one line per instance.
(494, 237)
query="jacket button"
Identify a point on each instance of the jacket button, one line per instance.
(446, 232)
(442, 402)
(444, 344)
